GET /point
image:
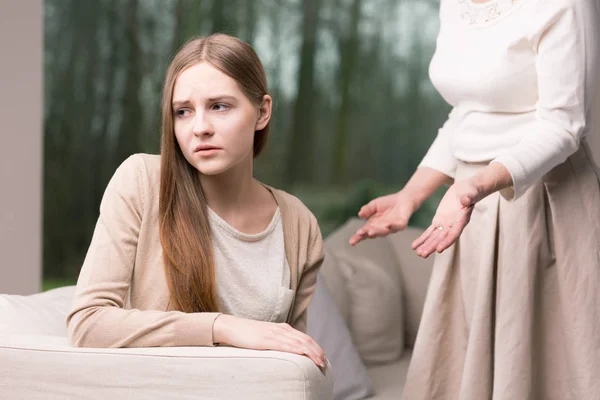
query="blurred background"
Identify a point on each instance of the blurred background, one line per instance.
(354, 109)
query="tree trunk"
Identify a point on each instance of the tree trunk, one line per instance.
(300, 151)
(129, 135)
(251, 21)
(348, 57)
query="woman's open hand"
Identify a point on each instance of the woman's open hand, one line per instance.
(385, 215)
(452, 215)
(260, 335)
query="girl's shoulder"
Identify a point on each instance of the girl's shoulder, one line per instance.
(292, 203)
(145, 168)
(137, 179)
(295, 213)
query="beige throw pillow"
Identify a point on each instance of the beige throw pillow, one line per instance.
(376, 312)
(336, 283)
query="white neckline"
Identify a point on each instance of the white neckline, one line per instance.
(246, 237)
(486, 13)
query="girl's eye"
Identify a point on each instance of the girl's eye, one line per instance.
(182, 112)
(220, 107)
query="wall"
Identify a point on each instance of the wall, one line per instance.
(21, 154)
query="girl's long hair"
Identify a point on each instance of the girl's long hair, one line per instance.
(184, 224)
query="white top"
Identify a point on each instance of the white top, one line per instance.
(253, 268)
(520, 75)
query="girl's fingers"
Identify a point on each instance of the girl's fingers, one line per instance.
(294, 346)
(307, 341)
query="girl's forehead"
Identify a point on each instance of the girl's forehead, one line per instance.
(203, 80)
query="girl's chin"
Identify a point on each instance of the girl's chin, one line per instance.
(212, 169)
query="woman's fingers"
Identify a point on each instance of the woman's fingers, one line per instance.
(368, 209)
(357, 238)
(377, 230)
(398, 225)
(374, 227)
(456, 230)
(421, 239)
(430, 244)
(453, 234)
(466, 200)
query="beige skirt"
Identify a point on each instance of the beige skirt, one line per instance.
(513, 309)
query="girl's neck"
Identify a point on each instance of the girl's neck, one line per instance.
(230, 189)
(239, 199)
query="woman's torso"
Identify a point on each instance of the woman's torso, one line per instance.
(485, 67)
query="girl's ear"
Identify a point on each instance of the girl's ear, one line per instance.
(264, 113)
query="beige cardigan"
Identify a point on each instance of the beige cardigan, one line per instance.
(122, 295)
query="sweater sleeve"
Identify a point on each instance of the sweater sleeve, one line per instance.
(439, 156)
(308, 280)
(98, 317)
(566, 65)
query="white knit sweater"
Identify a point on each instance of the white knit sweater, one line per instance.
(521, 76)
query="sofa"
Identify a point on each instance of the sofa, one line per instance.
(365, 314)
(37, 362)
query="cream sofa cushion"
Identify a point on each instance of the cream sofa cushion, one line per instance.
(37, 362)
(41, 313)
(46, 367)
(374, 293)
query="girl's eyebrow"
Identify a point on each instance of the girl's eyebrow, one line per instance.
(215, 99)
(221, 98)
(181, 103)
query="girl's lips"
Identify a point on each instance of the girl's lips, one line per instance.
(206, 147)
(207, 151)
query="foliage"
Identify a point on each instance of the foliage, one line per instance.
(354, 109)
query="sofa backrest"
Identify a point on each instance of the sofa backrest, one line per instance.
(414, 274)
(369, 280)
(42, 313)
(395, 259)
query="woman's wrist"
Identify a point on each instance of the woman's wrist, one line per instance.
(492, 178)
(414, 196)
(424, 182)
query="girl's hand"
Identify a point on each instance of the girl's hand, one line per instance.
(451, 217)
(260, 335)
(385, 215)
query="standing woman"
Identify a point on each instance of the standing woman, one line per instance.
(513, 305)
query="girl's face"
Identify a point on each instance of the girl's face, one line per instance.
(214, 121)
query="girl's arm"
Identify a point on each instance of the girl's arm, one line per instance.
(97, 318)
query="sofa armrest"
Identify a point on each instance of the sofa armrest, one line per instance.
(42, 367)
